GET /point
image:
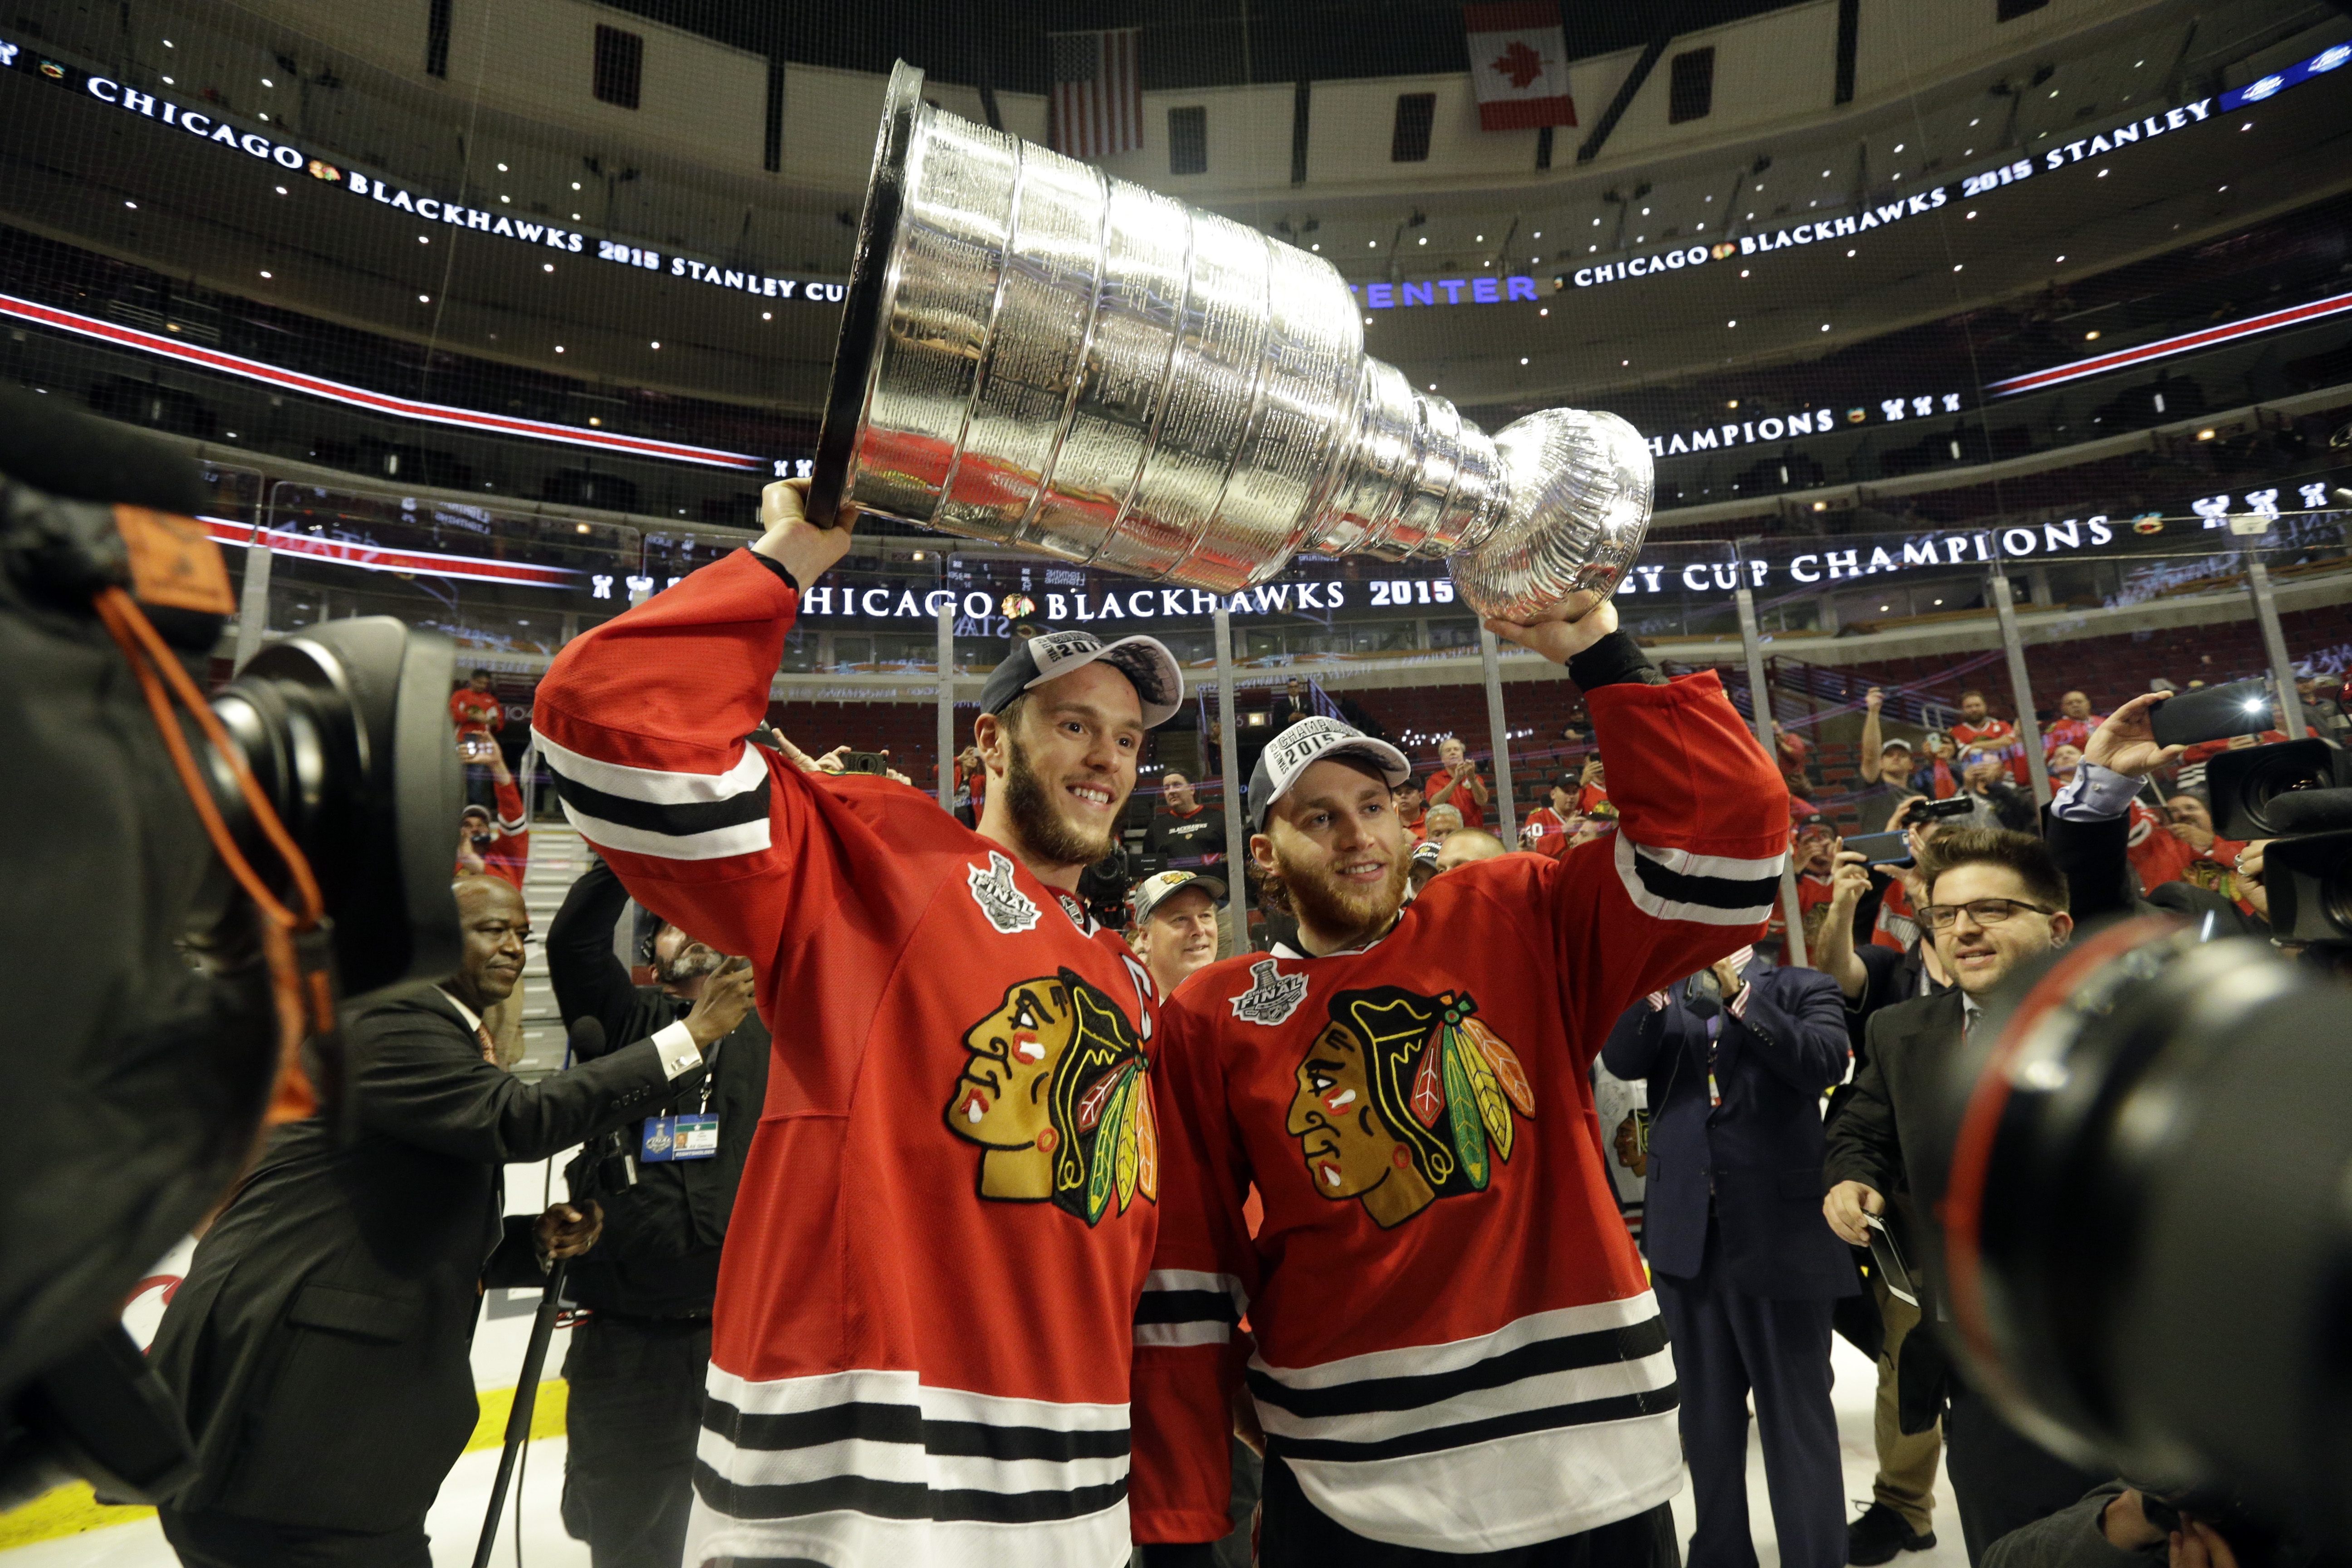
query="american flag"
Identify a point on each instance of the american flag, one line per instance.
(1097, 98)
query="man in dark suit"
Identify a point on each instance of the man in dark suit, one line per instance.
(1736, 1060)
(636, 1364)
(1995, 899)
(319, 1346)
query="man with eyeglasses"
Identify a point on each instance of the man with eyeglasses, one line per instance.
(319, 1347)
(1994, 899)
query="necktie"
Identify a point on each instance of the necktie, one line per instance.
(489, 1046)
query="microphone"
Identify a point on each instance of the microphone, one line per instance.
(583, 1040)
(49, 444)
(2309, 810)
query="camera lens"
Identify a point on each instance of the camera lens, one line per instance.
(2148, 1215)
(343, 729)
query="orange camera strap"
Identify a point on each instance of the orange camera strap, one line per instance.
(293, 939)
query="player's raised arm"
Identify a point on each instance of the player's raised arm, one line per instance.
(1702, 832)
(642, 721)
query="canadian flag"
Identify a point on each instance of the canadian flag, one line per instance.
(1518, 64)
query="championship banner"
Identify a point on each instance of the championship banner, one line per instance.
(1518, 65)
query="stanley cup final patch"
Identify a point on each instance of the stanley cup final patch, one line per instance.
(1272, 998)
(1008, 908)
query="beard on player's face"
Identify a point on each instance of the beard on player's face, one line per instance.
(1329, 904)
(1046, 831)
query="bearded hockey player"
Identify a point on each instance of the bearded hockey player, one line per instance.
(925, 1310)
(1457, 1355)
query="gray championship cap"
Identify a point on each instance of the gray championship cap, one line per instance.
(1154, 890)
(1308, 741)
(1157, 680)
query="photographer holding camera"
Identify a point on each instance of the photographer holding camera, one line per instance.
(637, 1361)
(319, 1347)
(1995, 899)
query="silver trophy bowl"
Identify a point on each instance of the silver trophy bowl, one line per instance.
(1036, 354)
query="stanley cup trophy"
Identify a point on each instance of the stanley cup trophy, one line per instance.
(1036, 354)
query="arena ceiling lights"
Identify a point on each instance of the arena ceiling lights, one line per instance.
(377, 402)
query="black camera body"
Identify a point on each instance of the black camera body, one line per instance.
(163, 989)
(2298, 795)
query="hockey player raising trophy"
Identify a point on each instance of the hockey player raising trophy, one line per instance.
(942, 1268)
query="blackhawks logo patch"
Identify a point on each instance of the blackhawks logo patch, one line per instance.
(1057, 1091)
(1403, 1098)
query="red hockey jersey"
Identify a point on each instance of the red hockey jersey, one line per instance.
(925, 1308)
(1456, 1346)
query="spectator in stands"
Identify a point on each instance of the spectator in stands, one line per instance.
(1296, 703)
(1467, 845)
(1174, 915)
(495, 845)
(1547, 827)
(1591, 787)
(2063, 762)
(474, 709)
(1979, 734)
(1935, 777)
(2073, 724)
(1184, 831)
(971, 786)
(2322, 697)
(1411, 810)
(1458, 784)
(1735, 1061)
(1795, 755)
(1424, 865)
(1999, 801)
(1885, 766)
(1814, 858)
(2212, 859)
(476, 714)
(636, 1364)
(1996, 900)
(1594, 824)
(1439, 822)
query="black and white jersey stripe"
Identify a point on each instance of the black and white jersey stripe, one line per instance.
(877, 1467)
(1188, 1307)
(647, 811)
(1712, 889)
(1558, 1423)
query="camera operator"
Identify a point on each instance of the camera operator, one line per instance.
(1737, 1058)
(2118, 1525)
(1995, 899)
(319, 1347)
(637, 1361)
(2089, 829)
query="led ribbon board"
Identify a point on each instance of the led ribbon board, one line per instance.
(376, 402)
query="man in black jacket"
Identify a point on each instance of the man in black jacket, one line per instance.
(636, 1365)
(319, 1345)
(1995, 899)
